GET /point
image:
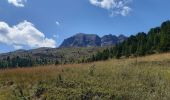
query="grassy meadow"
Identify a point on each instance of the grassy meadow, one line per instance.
(143, 78)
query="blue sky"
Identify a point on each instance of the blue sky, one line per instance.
(27, 24)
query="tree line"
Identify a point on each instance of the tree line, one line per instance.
(14, 62)
(157, 40)
(29, 61)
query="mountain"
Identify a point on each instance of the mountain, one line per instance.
(110, 40)
(82, 40)
(92, 40)
(121, 38)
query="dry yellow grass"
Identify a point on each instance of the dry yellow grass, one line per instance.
(143, 78)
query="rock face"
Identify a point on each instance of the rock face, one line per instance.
(121, 38)
(92, 40)
(110, 40)
(82, 40)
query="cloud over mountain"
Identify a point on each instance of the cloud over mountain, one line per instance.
(24, 34)
(116, 7)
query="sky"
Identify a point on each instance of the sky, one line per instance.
(29, 24)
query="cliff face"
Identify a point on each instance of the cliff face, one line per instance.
(82, 40)
(92, 40)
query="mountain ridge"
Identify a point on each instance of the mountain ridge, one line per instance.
(92, 40)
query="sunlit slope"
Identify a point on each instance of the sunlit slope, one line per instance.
(144, 78)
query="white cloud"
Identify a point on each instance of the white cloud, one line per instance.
(24, 34)
(116, 7)
(57, 23)
(17, 3)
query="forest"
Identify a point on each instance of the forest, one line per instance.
(157, 40)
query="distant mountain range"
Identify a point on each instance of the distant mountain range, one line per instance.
(92, 40)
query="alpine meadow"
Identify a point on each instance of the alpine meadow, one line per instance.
(84, 50)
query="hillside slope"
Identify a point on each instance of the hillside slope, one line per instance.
(143, 78)
(45, 56)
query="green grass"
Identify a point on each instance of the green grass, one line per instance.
(145, 78)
